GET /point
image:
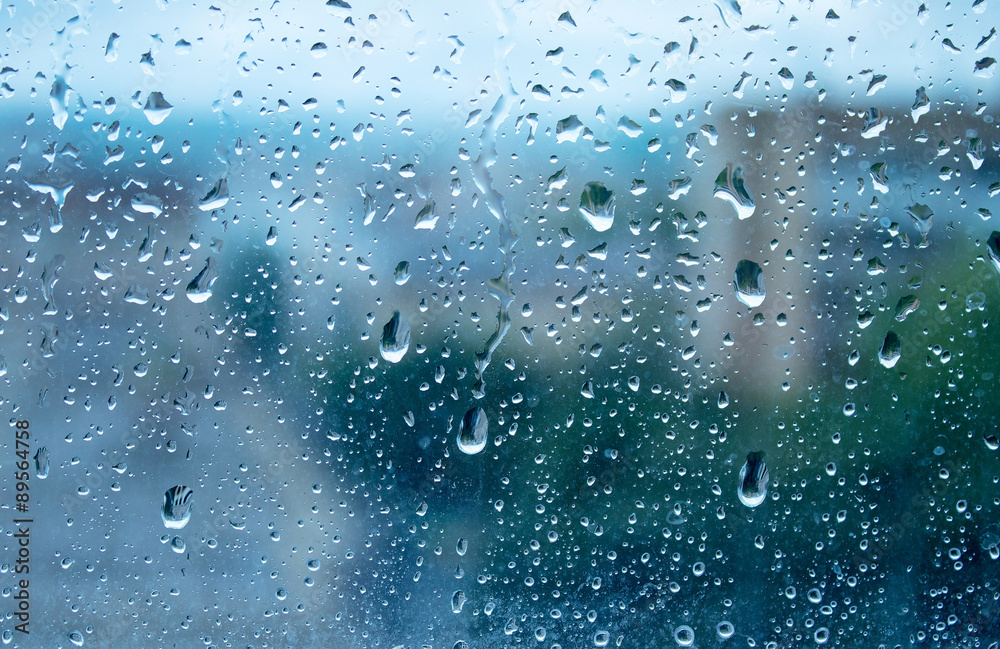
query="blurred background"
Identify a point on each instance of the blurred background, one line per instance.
(212, 213)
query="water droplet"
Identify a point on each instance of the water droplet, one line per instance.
(177, 505)
(76, 638)
(723, 399)
(890, 351)
(875, 123)
(753, 480)
(993, 248)
(729, 187)
(216, 198)
(472, 433)
(157, 108)
(749, 283)
(597, 205)
(458, 600)
(200, 288)
(427, 217)
(922, 216)
(178, 545)
(880, 177)
(42, 463)
(921, 104)
(402, 273)
(395, 338)
(905, 306)
(976, 152)
(684, 635)
(569, 129)
(147, 204)
(461, 547)
(725, 630)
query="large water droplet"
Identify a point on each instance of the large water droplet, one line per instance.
(597, 205)
(157, 108)
(200, 288)
(905, 306)
(993, 248)
(875, 123)
(427, 217)
(753, 480)
(921, 104)
(216, 198)
(749, 283)
(569, 129)
(458, 601)
(176, 510)
(42, 463)
(395, 338)
(730, 188)
(472, 434)
(922, 216)
(891, 350)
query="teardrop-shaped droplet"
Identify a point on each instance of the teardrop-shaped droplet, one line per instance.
(472, 434)
(395, 338)
(176, 510)
(597, 205)
(891, 350)
(749, 283)
(753, 480)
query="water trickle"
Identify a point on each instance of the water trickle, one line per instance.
(500, 286)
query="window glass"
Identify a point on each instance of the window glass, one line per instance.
(547, 324)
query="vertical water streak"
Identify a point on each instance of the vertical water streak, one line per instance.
(498, 287)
